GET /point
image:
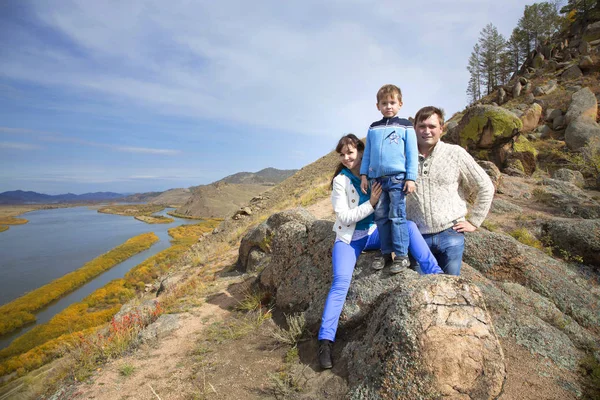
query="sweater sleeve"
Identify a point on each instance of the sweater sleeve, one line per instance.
(412, 154)
(364, 165)
(476, 180)
(341, 207)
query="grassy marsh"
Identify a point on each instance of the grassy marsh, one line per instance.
(19, 312)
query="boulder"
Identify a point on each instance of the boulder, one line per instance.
(398, 327)
(584, 48)
(567, 175)
(516, 91)
(583, 103)
(428, 339)
(582, 132)
(577, 237)
(501, 96)
(538, 61)
(548, 88)
(523, 156)
(552, 113)
(571, 73)
(503, 259)
(160, 328)
(559, 123)
(586, 63)
(592, 32)
(484, 127)
(493, 171)
(526, 87)
(531, 118)
(570, 199)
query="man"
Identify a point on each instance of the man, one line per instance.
(447, 176)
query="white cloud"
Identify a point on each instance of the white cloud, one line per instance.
(166, 152)
(18, 146)
(312, 68)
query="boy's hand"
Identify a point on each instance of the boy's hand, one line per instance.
(364, 184)
(409, 187)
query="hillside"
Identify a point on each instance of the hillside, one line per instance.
(225, 196)
(172, 197)
(267, 176)
(522, 322)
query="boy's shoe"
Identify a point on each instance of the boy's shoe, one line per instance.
(399, 264)
(381, 261)
(325, 354)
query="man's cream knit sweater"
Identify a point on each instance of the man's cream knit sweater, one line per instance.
(445, 179)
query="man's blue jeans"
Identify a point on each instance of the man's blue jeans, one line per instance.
(447, 247)
(390, 216)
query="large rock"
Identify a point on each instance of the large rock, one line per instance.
(531, 117)
(548, 88)
(583, 103)
(582, 132)
(484, 127)
(525, 153)
(592, 32)
(502, 258)
(429, 338)
(516, 91)
(415, 325)
(567, 175)
(579, 238)
(571, 73)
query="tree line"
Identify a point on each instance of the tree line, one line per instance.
(495, 59)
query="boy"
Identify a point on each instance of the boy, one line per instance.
(391, 158)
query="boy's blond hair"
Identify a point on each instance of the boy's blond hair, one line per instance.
(389, 91)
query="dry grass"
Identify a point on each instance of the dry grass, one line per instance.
(132, 210)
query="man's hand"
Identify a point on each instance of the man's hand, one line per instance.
(409, 187)
(364, 184)
(464, 226)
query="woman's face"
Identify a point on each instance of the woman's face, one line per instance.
(350, 157)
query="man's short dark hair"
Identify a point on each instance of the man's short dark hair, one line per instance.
(426, 112)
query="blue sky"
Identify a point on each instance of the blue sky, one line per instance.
(135, 96)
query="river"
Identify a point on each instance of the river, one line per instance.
(56, 242)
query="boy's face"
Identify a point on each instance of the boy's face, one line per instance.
(389, 106)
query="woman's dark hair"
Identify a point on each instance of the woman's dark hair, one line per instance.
(346, 140)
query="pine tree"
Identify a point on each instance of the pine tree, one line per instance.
(474, 87)
(492, 45)
(538, 23)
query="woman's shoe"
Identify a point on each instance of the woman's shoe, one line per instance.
(325, 354)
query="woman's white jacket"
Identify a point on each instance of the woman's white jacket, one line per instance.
(348, 212)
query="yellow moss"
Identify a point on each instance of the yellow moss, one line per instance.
(503, 124)
(18, 312)
(522, 145)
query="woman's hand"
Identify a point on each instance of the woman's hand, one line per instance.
(375, 193)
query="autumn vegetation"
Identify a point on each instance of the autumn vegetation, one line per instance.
(132, 210)
(80, 330)
(19, 312)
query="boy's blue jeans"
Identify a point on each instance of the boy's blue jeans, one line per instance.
(447, 247)
(390, 215)
(344, 258)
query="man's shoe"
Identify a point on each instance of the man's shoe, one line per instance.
(325, 354)
(399, 264)
(381, 261)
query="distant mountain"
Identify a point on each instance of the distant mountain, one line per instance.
(29, 197)
(267, 176)
(176, 197)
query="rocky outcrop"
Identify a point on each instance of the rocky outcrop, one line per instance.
(485, 127)
(583, 104)
(399, 326)
(567, 175)
(579, 238)
(502, 258)
(531, 117)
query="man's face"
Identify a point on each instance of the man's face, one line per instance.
(428, 131)
(389, 106)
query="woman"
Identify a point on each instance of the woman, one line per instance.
(356, 232)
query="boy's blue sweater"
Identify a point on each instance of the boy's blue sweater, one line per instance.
(391, 149)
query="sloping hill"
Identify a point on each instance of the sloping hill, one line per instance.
(267, 176)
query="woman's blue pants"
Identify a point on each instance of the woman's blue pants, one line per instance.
(344, 258)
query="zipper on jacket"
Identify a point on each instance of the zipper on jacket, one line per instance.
(381, 149)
